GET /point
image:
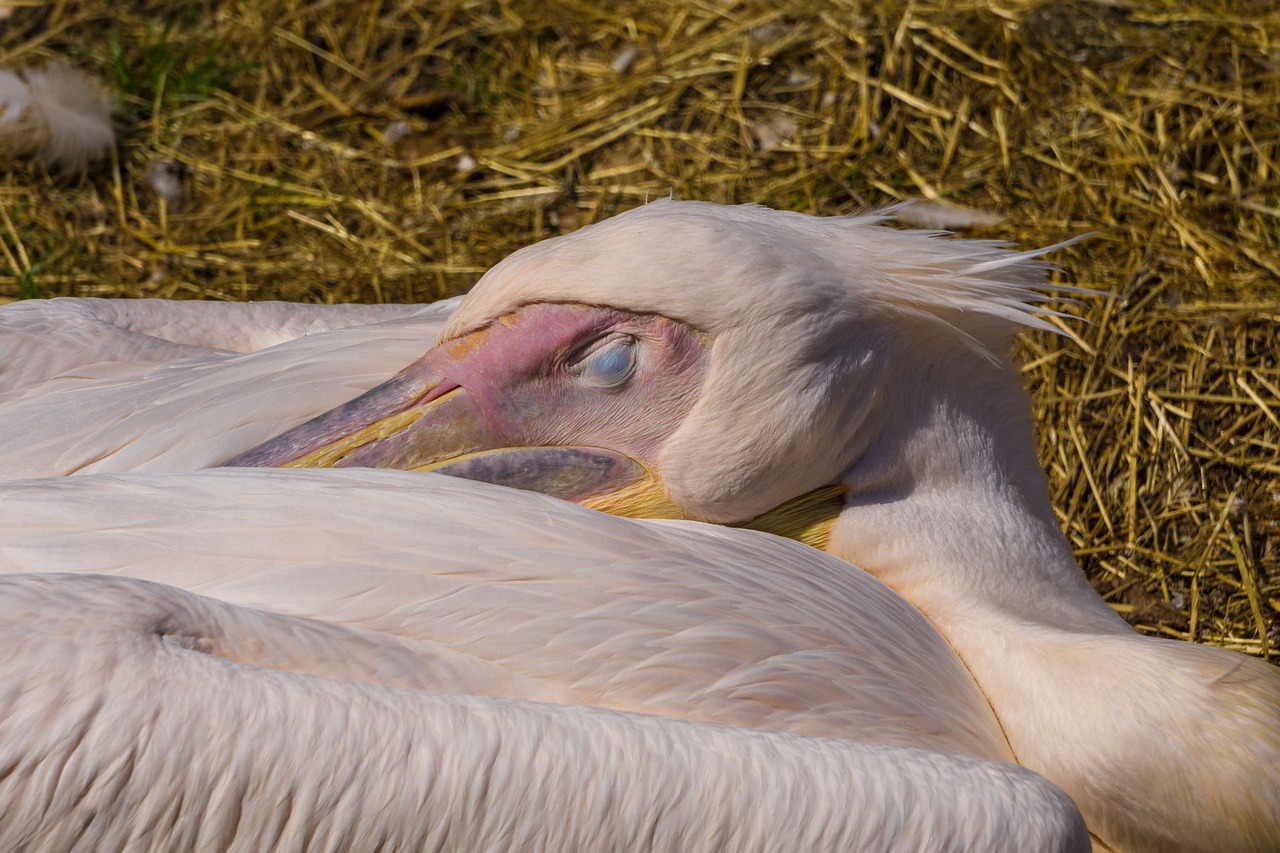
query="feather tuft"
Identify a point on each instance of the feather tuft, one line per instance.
(57, 114)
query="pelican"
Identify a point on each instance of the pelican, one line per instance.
(374, 655)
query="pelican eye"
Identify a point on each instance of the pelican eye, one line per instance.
(609, 363)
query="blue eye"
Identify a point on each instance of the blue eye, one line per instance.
(609, 365)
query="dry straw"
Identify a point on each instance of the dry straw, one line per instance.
(334, 151)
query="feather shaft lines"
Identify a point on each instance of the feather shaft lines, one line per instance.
(57, 114)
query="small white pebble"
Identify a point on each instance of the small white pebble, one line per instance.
(396, 131)
(625, 59)
(767, 33)
(165, 178)
(772, 134)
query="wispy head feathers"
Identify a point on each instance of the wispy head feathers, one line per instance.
(822, 328)
(57, 114)
(719, 267)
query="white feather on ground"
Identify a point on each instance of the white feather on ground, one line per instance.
(57, 114)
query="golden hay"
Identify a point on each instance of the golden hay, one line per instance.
(392, 151)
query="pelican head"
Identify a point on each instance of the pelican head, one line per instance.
(683, 359)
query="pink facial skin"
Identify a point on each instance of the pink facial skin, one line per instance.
(545, 375)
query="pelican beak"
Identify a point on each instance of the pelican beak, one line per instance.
(421, 421)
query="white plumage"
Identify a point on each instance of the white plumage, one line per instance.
(56, 113)
(485, 661)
